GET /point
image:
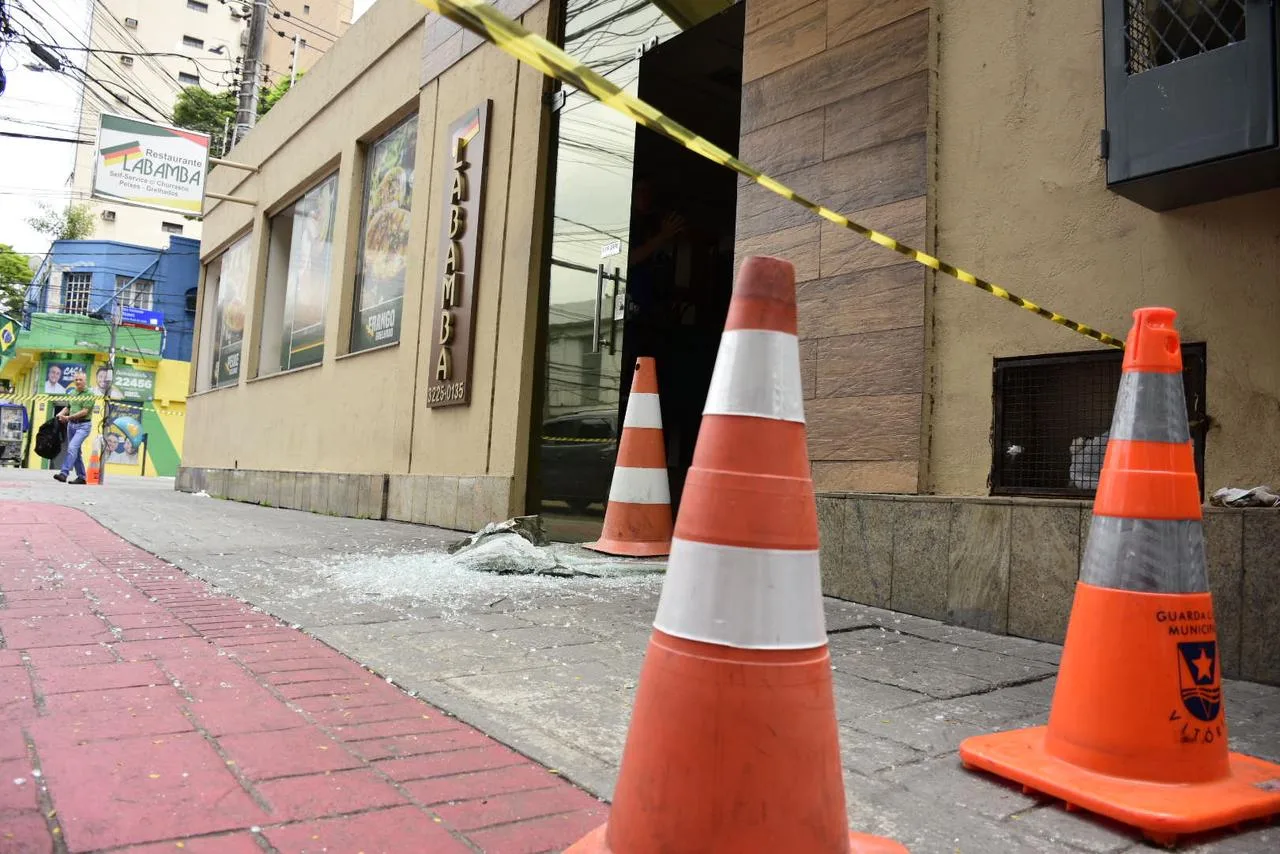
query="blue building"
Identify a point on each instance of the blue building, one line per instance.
(82, 277)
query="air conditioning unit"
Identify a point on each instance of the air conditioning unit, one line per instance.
(109, 215)
(126, 61)
(131, 23)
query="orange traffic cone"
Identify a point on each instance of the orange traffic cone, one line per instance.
(637, 521)
(1137, 730)
(93, 474)
(733, 746)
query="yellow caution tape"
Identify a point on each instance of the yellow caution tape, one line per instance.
(490, 24)
(576, 440)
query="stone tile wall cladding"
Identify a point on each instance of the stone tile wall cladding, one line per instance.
(464, 503)
(1010, 566)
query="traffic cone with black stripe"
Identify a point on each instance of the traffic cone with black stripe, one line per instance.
(733, 746)
(637, 520)
(1138, 730)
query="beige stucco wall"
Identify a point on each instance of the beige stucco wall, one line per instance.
(1019, 195)
(377, 421)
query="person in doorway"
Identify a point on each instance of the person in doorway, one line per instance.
(77, 418)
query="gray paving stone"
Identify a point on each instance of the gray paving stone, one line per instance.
(1082, 830)
(867, 754)
(946, 781)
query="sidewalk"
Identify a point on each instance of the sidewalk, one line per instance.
(137, 706)
(548, 666)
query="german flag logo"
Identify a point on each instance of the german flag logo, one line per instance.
(117, 154)
(470, 129)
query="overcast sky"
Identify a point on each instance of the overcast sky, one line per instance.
(43, 103)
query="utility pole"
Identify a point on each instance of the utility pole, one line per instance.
(111, 381)
(293, 72)
(247, 112)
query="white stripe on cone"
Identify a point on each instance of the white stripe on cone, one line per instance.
(640, 486)
(743, 598)
(757, 373)
(643, 410)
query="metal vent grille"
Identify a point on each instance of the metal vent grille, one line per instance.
(1053, 419)
(1158, 32)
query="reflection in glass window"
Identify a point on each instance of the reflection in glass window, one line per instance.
(226, 287)
(384, 237)
(301, 255)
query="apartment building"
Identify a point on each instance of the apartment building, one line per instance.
(304, 29)
(144, 53)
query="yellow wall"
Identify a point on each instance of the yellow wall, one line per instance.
(365, 412)
(172, 378)
(1019, 195)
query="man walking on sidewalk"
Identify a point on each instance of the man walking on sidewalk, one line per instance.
(77, 416)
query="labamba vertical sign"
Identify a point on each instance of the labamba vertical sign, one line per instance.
(151, 165)
(453, 330)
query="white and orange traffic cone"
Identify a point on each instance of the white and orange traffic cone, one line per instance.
(637, 521)
(733, 746)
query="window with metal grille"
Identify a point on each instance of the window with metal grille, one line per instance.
(1158, 32)
(187, 79)
(192, 41)
(139, 294)
(1053, 418)
(197, 6)
(75, 292)
(171, 227)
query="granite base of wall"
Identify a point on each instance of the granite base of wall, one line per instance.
(462, 503)
(1010, 566)
(359, 496)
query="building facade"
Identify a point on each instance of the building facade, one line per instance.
(300, 31)
(430, 309)
(144, 54)
(66, 330)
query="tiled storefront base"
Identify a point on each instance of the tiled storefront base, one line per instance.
(1010, 566)
(1000, 565)
(464, 503)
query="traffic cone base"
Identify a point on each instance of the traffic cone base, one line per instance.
(859, 843)
(749, 704)
(637, 518)
(1251, 789)
(1160, 762)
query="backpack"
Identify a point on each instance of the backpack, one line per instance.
(49, 439)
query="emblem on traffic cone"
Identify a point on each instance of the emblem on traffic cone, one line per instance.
(637, 522)
(1138, 729)
(733, 746)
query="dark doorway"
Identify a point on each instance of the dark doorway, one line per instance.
(683, 214)
(615, 185)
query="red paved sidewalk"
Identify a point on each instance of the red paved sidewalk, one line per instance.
(141, 711)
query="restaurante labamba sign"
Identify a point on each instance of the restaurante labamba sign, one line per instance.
(150, 165)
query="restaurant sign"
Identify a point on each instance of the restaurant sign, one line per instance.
(453, 329)
(150, 165)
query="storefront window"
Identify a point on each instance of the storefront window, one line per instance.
(384, 237)
(227, 284)
(298, 267)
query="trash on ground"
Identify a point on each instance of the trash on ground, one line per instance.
(1259, 496)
